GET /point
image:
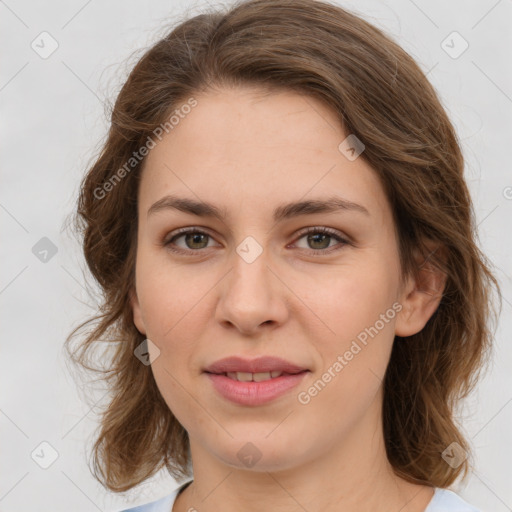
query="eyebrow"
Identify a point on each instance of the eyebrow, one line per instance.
(282, 212)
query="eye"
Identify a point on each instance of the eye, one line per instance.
(320, 238)
(193, 237)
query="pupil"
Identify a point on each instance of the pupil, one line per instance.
(195, 237)
(319, 235)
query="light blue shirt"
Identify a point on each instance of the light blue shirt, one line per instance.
(442, 501)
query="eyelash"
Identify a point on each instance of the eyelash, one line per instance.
(322, 230)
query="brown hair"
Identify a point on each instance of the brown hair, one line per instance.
(379, 94)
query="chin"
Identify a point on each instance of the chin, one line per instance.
(260, 453)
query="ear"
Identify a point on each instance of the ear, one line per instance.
(137, 314)
(422, 293)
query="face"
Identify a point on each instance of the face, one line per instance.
(249, 284)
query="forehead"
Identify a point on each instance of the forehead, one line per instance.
(245, 148)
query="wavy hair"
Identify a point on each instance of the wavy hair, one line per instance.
(379, 94)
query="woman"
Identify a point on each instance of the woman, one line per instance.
(293, 292)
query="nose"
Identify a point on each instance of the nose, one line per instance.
(252, 295)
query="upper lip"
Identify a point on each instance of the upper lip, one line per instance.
(258, 365)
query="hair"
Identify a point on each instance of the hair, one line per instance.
(380, 95)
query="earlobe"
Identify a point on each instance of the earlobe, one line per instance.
(422, 293)
(137, 314)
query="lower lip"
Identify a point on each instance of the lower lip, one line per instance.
(254, 393)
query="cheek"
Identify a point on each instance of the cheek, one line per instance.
(169, 297)
(350, 297)
(358, 310)
(171, 305)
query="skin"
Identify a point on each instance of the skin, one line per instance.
(249, 152)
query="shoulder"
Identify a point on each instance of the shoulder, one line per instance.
(445, 500)
(163, 504)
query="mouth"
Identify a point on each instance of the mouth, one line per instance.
(254, 389)
(256, 381)
(256, 377)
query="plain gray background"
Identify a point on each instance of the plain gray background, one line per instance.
(52, 124)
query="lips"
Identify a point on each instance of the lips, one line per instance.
(254, 382)
(261, 365)
(255, 393)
